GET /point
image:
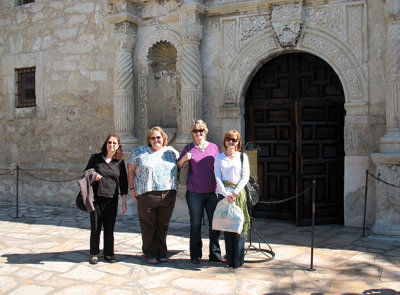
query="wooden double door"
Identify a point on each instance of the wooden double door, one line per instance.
(295, 114)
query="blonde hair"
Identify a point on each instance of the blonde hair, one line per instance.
(199, 124)
(163, 135)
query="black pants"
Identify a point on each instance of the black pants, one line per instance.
(234, 247)
(104, 215)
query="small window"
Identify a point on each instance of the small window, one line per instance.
(26, 96)
(22, 2)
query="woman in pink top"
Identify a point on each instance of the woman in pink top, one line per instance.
(201, 190)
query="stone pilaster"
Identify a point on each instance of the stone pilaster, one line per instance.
(390, 143)
(125, 30)
(387, 161)
(191, 72)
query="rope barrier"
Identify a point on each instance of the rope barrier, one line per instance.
(8, 172)
(48, 180)
(285, 200)
(383, 181)
(368, 173)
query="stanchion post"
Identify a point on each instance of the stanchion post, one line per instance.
(314, 184)
(365, 200)
(17, 188)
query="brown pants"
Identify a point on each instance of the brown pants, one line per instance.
(155, 210)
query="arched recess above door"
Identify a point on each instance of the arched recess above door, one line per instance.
(252, 56)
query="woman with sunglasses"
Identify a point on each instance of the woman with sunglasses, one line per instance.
(201, 187)
(153, 177)
(110, 180)
(232, 175)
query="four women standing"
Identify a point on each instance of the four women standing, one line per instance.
(152, 176)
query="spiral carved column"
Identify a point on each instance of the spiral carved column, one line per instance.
(123, 98)
(191, 75)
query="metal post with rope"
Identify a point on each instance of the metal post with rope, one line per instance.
(367, 174)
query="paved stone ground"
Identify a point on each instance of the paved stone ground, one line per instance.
(45, 251)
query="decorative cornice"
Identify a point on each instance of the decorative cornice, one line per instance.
(238, 8)
(123, 17)
(195, 8)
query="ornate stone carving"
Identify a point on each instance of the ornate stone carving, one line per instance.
(229, 40)
(330, 19)
(249, 59)
(287, 22)
(338, 57)
(355, 29)
(343, 22)
(252, 26)
(125, 35)
(392, 11)
(191, 32)
(123, 71)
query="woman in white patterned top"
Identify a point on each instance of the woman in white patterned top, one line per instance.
(153, 177)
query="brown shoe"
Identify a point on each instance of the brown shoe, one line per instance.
(152, 261)
(195, 261)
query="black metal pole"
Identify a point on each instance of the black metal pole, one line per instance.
(314, 184)
(17, 189)
(365, 200)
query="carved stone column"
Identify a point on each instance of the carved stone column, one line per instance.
(387, 161)
(191, 73)
(390, 143)
(125, 30)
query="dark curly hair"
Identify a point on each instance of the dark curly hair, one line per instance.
(119, 153)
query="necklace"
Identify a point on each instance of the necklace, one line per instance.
(202, 147)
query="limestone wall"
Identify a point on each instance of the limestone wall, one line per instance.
(72, 45)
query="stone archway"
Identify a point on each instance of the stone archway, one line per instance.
(351, 70)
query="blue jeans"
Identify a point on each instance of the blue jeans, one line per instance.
(196, 204)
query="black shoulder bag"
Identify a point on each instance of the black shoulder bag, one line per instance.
(252, 189)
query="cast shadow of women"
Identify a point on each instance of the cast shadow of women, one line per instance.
(81, 256)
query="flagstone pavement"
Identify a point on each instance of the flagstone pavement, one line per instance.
(45, 251)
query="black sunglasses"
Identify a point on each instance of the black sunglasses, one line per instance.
(197, 130)
(231, 139)
(155, 137)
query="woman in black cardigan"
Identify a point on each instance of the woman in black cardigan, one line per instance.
(111, 181)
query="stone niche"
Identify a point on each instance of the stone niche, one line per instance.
(163, 88)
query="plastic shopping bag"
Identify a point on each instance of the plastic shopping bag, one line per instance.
(228, 217)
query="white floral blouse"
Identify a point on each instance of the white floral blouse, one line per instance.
(155, 171)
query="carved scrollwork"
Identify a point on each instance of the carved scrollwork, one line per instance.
(191, 32)
(338, 57)
(125, 35)
(252, 26)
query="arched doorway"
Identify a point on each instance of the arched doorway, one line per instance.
(295, 114)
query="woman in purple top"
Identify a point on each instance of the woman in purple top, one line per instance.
(201, 187)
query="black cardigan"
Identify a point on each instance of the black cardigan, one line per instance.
(114, 175)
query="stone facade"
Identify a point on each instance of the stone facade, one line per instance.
(107, 66)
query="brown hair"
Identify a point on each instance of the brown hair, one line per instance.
(163, 134)
(119, 153)
(233, 134)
